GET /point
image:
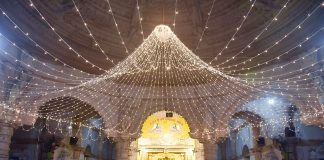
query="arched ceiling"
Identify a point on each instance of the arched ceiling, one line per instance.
(225, 17)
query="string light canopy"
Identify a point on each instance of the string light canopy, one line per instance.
(162, 74)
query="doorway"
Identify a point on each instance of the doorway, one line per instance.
(165, 136)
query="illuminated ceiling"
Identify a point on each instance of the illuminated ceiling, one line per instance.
(104, 54)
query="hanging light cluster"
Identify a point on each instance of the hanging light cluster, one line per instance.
(161, 74)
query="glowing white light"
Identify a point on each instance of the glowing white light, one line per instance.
(163, 32)
(271, 101)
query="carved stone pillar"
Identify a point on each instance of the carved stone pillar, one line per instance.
(210, 150)
(122, 148)
(6, 131)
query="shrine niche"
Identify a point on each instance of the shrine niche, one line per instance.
(165, 136)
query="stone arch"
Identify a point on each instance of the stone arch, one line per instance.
(68, 107)
(255, 120)
(248, 116)
(181, 119)
(35, 104)
(137, 132)
(165, 134)
(238, 113)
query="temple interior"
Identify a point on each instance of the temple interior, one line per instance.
(161, 80)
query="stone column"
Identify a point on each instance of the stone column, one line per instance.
(122, 149)
(210, 150)
(6, 131)
(133, 150)
(199, 150)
